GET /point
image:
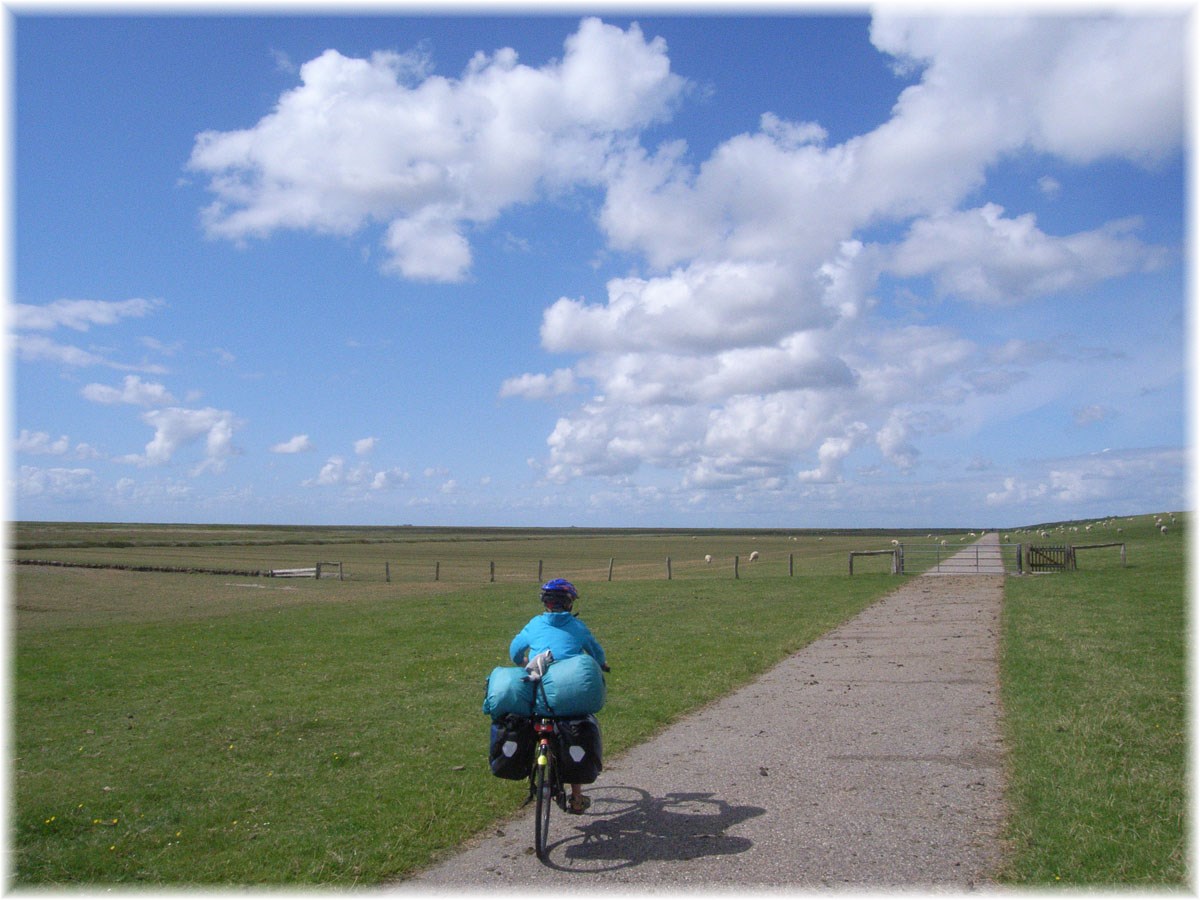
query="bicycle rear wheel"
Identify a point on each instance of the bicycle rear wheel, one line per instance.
(544, 786)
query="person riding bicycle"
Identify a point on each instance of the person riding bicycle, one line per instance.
(565, 635)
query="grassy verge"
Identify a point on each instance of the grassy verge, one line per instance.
(1094, 680)
(189, 730)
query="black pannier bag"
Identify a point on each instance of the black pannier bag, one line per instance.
(511, 750)
(580, 755)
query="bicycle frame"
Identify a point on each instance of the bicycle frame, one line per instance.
(545, 785)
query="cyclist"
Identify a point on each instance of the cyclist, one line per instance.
(565, 635)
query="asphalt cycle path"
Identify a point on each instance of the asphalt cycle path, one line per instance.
(871, 759)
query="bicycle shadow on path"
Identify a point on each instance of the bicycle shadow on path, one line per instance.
(627, 826)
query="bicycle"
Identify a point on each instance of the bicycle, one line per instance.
(546, 787)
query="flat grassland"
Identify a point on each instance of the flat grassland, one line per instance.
(228, 729)
(461, 555)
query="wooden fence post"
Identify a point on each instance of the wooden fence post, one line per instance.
(610, 565)
(668, 568)
(735, 568)
(387, 572)
(791, 564)
(437, 571)
(492, 571)
(539, 571)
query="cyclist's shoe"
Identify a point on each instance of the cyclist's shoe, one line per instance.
(576, 805)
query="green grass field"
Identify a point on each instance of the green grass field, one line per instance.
(197, 729)
(208, 730)
(1094, 676)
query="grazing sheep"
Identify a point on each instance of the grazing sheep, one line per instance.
(754, 556)
(895, 543)
(1162, 528)
(707, 557)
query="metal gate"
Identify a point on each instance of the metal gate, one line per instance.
(980, 558)
(1049, 558)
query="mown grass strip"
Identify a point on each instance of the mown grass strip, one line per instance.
(1094, 692)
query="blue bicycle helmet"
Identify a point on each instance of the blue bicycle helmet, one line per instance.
(559, 595)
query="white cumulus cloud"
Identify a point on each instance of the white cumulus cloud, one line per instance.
(79, 315)
(40, 443)
(296, 444)
(381, 140)
(133, 391)
(981, 256)
(755, 349)
(176, 427)
(540, 386)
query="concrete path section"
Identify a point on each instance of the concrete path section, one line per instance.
(872, 759)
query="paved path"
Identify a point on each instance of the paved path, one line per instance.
(870, 759)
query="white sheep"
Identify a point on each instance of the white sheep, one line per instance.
(754, 556)
(1162, 528)
(707, 558)
(895, 543)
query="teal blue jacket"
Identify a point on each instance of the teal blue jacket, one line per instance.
(560, 633)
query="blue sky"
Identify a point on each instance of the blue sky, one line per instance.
(802, 269)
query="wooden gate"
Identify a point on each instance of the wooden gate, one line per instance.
(1048, 558)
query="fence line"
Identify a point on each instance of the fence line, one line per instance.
(643, 567)
(498, 571)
